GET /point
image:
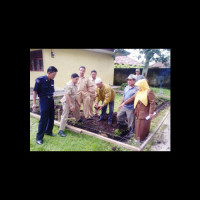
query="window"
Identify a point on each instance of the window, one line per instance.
(36, 61)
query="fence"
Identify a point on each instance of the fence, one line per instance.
(157, 77)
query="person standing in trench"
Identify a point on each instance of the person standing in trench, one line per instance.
(128, 110)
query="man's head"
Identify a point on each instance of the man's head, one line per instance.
(75, 78)
(82, 70)
(93, 74)
(51, 72)
(131, 80)
(137, 71)
(98, 83)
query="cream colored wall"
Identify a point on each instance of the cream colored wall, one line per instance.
(68, 61)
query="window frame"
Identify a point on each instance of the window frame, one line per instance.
(32, 59)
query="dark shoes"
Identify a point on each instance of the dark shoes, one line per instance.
(61, 133)
(39, 142)
(50, 134)
(101, 120)
(80, 120)
(91, 118)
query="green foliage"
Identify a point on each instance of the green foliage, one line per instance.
(123, 85)
(117, 132)
(118, 99)
(126, 66)
(121, 52)
(150, 56)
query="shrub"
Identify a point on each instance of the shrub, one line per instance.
(123, 85)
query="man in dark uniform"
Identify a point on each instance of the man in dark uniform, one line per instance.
(44, 87)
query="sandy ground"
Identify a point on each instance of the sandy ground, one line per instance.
(162, 139)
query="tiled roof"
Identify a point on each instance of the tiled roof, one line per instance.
(126, 60)
(159, 64)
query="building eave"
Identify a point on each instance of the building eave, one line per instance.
(101, 51)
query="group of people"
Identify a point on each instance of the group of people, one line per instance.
(137, 102)
(89, 92)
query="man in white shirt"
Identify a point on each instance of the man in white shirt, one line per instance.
(138, 76)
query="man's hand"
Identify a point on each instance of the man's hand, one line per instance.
(100, 107)
(79, 104)
(151, 116)
(34, 107)
(121, 106)
(72, 108)
(96, 105)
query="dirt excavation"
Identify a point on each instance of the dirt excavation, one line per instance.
(113, 131)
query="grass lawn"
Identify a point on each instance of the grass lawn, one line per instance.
(80, 142)
(73, 141)
(164, 91)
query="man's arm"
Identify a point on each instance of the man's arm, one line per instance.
(131, 99)
(72, 108)
(96, 97)
(107, 99)
(34, 100)
(122, 101)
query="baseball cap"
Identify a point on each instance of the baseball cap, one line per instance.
(131, 76)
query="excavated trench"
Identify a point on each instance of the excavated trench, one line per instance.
(114, 131)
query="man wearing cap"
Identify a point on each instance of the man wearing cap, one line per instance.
(138, 76)
(128, 110)
(105, 94)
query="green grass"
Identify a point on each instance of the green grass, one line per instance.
(118, 99)
(81, 142)
(72, 142)
(166, 92)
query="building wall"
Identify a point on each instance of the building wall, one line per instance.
(68, 61)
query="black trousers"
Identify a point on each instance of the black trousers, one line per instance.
(46, 122)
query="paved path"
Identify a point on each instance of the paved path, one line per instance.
(162, 139)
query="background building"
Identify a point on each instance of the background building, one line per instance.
(68, 61)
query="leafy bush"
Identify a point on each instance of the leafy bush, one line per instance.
(123, 85)
(126, 66)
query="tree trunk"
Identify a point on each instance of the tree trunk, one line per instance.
(145, 69)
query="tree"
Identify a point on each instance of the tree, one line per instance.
(120, 52)
(153, 55)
